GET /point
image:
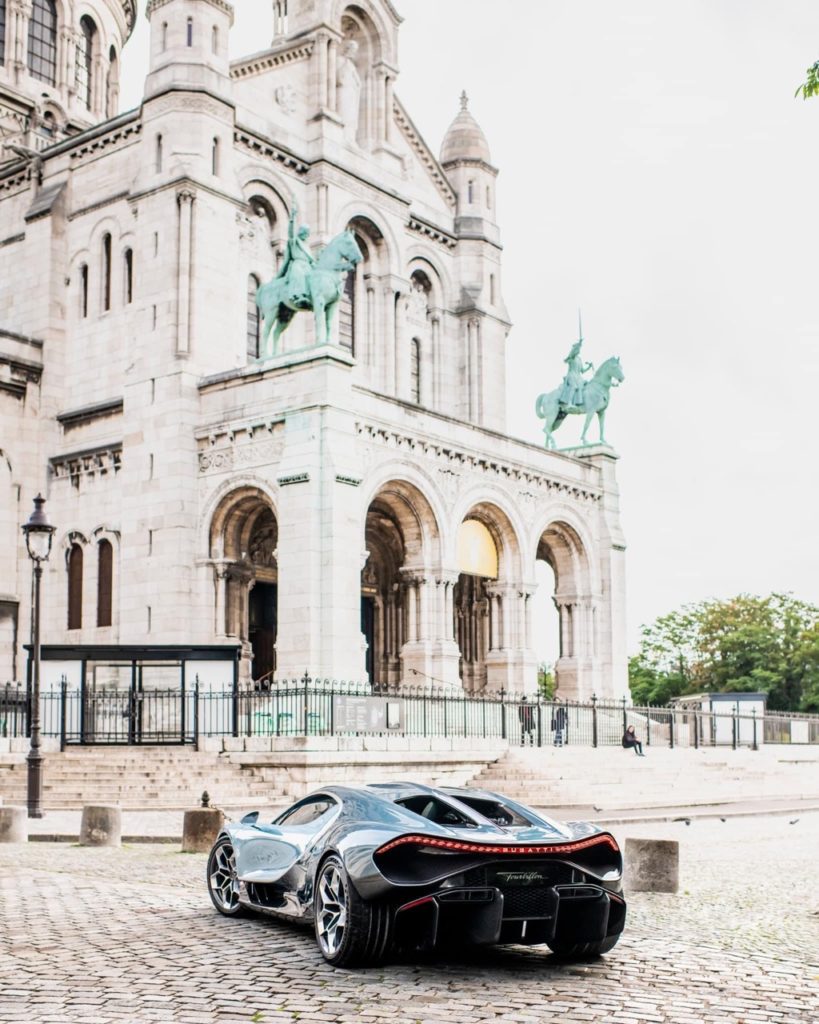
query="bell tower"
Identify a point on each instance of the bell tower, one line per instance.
(189, 46)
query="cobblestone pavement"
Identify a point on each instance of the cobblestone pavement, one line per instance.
(99, 936)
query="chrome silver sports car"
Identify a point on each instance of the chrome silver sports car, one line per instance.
(400, 866)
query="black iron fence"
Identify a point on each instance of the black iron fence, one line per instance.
(323, 707)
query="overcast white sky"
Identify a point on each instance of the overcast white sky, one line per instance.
(655, 170)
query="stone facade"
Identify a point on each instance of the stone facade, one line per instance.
(308, 505)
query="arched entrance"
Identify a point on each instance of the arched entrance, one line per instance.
(564, 561)
(490, 602)
(244, 541)
(399, 588)
(476, 615)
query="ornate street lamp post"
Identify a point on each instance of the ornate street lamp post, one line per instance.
(39, 534)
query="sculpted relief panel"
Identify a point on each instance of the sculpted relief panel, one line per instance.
(226, 449)
(454, 470)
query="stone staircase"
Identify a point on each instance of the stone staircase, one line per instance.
(159, 778)
(136, 778)
(297, 773)
(612, 778)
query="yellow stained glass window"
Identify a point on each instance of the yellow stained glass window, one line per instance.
(477, 554)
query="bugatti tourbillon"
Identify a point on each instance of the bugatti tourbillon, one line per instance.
(395, 867)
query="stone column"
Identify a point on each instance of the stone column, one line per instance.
(321, 70)
(322, 204)
(436, 390)
(332, 75)
(370, 345)
(185, 200)
(417, 652)
(220, 578)
(389, 339)
(20, 12)
(65, 61)
(388, 104)
(446, 653)
(97, 87)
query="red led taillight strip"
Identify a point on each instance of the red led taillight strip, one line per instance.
(456, 846)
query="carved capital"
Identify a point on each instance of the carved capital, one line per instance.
(185, 196)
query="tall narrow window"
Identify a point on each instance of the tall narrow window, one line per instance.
(214, 40)
(190, 31)
(112, 84)
(106, 272)
(2, 32)
(492, 289)
(42, 41)
(158, 155)
(346, 314)
(85, 60)
(164, 36)
(75, 587)
(129, 277)
(215, 157)
(415, 371)
(105, 580)
(488, 198)
(84, 290)
(470, 192)
(253, 326)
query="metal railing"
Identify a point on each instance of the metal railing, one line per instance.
(324, 707)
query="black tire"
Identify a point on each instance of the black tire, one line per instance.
(582, 950)
(223, 885)
(350, 931)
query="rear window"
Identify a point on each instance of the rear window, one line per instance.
(436, 810)
(495, 811)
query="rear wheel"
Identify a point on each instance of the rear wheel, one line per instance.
(582, 950)
(223, 884)
(350, 931)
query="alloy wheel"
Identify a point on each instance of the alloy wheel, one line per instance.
(331, 909)
(224, 885)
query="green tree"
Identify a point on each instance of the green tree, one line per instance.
(546, 681)
(747, 643)
(810, 87)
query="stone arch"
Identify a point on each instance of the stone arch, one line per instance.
(418, 488)
(366, 214)
(563, 540)
(489, 612)
(371, 24)
(242, 546)
(420, 260)
(563, 543)
(495, 511)
(358, 318)
(402, 539)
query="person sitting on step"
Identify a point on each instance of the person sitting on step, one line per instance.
(630, 740)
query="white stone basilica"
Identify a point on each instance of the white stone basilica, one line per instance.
(354, 509)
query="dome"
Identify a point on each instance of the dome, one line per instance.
(464, 139)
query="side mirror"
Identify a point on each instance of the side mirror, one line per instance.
(251, 819)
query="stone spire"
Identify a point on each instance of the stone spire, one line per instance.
(465, 139)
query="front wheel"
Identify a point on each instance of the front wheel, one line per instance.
(223, 884)
(350, 931)
(583, 950)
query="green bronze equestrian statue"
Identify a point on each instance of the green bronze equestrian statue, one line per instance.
(306, 282)
(578, 396)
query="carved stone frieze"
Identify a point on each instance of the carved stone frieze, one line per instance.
(96, 462)
(236, 447)
(451, 465)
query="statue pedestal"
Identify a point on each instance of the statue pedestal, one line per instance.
(589, 451)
